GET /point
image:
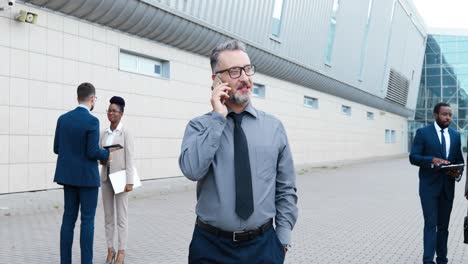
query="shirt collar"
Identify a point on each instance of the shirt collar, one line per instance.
(249, 109)
(118, 128)
(438, 128)
(84, 106)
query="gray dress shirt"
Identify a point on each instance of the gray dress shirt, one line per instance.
(207, 156)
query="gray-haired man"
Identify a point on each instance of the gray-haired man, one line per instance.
(241, 158)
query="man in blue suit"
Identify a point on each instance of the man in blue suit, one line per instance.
(77, 145)
(433, 146)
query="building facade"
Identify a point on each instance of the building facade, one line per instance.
(444, 79)
(343, 76)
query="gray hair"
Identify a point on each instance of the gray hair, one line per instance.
(229, 45)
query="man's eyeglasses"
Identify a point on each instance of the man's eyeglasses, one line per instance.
(113, 111)
(236, 72)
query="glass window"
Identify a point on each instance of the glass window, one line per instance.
(461, 69)
(433, 81)
(450, 58)
(463, 46)
(143, 65)
(432, 58)
(331, 34)
(449, 80)
(449, 47)
(370, 116)
(128, 62)
(392, 136)
(346, 110)
(432, 71)
(311, 102)
(420, 114)
(462, 124)
(387, 136)
(258, 90)
(149, 67)
(449, 91)
(276, 18)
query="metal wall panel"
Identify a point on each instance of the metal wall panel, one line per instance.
(379, 31)
(298, 54)
(304, 34)
(304, 26)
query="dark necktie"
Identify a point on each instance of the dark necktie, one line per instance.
(244, 196)
(444, 146)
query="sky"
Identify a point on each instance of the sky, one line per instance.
(443, 13)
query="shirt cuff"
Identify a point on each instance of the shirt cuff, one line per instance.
(219, 117)
(284, 235)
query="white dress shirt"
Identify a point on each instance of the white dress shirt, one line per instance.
(111, 134)
(446, 135)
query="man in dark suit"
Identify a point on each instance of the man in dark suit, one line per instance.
(77, 145)
(433, 146)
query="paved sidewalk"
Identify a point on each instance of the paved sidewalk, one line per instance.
(362, 213)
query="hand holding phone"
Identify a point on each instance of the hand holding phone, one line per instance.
(220, 92)
(217, 81)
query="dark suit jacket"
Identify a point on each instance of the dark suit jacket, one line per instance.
(426, 145)
(77, 145)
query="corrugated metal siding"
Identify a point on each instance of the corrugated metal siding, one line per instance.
(304, 33)
(304, 26)
(379, 31)
(298, 58)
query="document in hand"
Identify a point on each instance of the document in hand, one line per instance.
(119, 180)
(117, 146)
(452, 166)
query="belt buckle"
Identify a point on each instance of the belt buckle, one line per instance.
(234, 235)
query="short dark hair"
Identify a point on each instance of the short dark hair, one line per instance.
(438, 106)
(84, 91)
(118, 101)
(229, 45)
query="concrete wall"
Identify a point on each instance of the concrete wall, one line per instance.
(42, 64)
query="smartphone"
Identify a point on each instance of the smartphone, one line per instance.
(217, 81)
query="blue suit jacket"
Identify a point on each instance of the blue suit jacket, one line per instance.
(426, 145)
(77, 145)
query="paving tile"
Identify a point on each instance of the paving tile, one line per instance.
(361, 213)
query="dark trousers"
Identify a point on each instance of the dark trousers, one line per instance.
(207, 248)
(436, 211)
(74, 198)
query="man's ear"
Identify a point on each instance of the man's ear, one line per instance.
(213, 76)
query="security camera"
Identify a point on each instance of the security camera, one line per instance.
(6, 5)
(28, 17)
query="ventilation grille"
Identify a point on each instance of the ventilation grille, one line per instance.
(398, 86)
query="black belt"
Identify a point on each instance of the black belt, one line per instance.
(236, 236)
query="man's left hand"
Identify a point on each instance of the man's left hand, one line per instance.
(128, 187)
(453, 172)
(286, 248)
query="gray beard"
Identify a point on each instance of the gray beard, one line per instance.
(239, 100)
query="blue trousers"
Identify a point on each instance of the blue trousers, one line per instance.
(436, 211)
(207, 248)
(75, 198)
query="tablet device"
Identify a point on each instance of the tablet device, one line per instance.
(452, 166)
(118, 146)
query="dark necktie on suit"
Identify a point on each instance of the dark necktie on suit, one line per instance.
(244, 196)
(444, 146)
